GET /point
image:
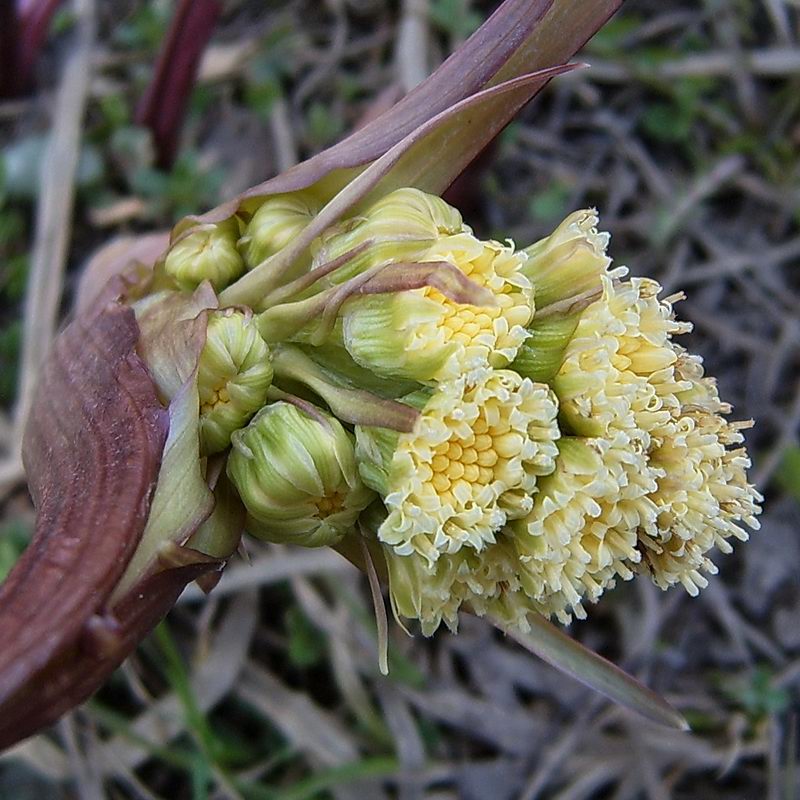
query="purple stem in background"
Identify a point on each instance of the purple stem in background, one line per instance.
(35, 23)
(8, 49)
(23, 30)
(163, 107)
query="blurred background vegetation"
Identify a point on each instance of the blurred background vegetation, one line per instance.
(685, 134)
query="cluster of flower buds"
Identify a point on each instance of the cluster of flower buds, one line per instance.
(506, 430)
(329, 359)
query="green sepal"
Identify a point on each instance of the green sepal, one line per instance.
(541, 355)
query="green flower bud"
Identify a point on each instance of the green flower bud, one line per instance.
(425, 592)
(485, 582)
(402, 226)
(296, 474)
(206, 253)
(233, 377)
(278, 220)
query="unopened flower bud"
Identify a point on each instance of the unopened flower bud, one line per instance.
(486, 582)
(569, 262)
(297, 477)
(422, 591)
(206, 253)
(401, 226)
(234, 374)
(276, 222)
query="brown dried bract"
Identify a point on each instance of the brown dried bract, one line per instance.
(92, 453)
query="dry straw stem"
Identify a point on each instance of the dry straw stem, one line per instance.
(773, 62)
(412, 44)
(53, 216)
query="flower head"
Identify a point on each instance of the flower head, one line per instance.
(470, 464)
(617, 372)
(297, 476)
(703, 497)
(423, 335)
(582, 531)
(233, 377)
(657, 424)
(206, 253)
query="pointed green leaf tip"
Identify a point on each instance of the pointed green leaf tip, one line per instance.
(297, 477)
(591, 669)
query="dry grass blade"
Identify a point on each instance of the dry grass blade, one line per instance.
(54, 211)
(212, 678)
(277, 565)
(311, 729)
